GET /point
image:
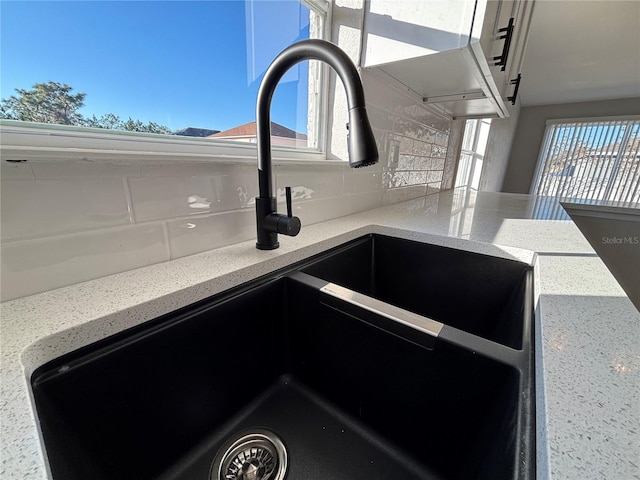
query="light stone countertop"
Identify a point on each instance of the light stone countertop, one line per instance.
(587, 330)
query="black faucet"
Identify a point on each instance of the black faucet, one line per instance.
(360, 140)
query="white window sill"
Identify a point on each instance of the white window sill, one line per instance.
(61, 143)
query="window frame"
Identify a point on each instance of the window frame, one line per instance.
(472, 151)
(34, 141)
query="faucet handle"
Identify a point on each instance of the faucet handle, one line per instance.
(278, 223)
(289, 225)
(287, 192)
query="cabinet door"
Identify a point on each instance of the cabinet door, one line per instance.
(495, 38)
(501, 11)
(486, 35)
(396, 30)
(506, 79)
(520, 36)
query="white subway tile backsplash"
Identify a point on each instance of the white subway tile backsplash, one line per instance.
(32, 266)
(363, 180)
(406, 145)
(433, 176)
(16, 170)
(192, 169)
(32, 208)
(438, 151)
(379, 118)
(236, 191)
(310, 182)
(169, 197)
(442, 139)
(434, 188)
(359, 202)
(156, 197)
(422, 148)
(422, 163)
(83, 169)
(406, 178)
(395, 195)
(403, 178)
(198, 234)
(406, 162)
(315, 211)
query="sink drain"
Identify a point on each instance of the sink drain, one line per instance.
(252, 455)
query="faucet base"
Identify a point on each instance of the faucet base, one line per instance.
(267, 247)
(267, 239)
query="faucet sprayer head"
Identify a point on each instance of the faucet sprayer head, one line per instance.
(361, 143)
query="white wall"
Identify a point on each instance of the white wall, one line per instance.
(496, 156)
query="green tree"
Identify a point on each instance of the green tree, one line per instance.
(149, 127)
(50, 102)
(108, 121)
(54, 102)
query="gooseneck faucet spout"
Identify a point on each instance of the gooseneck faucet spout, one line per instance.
(361, 143)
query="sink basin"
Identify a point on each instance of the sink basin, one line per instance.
(479, 294)
(350, 397)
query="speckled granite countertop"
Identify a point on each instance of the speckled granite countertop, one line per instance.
(588, 331)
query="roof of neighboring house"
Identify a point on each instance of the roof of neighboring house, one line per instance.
(249, 130)
(195, 132)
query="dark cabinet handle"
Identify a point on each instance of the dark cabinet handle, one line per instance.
(501, 61)
(516, 82)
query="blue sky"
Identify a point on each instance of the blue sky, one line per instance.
(177, 63)
(593, 135)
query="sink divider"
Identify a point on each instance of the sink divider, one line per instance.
(416, 328)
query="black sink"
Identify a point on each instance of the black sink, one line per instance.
(350, 399)
(480, 294)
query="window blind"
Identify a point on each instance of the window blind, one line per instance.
(592, 160)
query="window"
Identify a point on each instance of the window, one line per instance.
(590, 159)
(184, 68)
(474, 144)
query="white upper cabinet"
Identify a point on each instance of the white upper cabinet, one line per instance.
(401, 29)
(459, 54)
